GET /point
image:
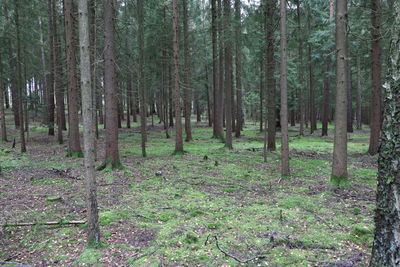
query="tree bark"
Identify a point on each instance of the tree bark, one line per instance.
(239, 104)
(2, 103)
(386, 245)
(375, 123)
(50, 100)
(349, 98)
(74, 140)
(88, 109)
(325, 107)
(187, 95)
(228, 73)
(339, 164)
(19, 78)
(285, 171)
(143, 118)
(270, 71)
(178, 117)
(358, 97)
(112, 152)
(217, 107)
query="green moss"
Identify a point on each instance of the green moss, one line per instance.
(339, 181)
(90, 257)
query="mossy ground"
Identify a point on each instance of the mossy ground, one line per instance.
(159, 211)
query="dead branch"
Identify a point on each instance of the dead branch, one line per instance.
(64, 173)
(43, 223)
(258, 257)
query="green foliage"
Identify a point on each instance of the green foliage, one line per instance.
(90, 257)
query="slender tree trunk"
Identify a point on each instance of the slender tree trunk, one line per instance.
(187, 96)
(239, 104)
(217, 108)
(219, 104)
(45, 75)
(386, 245)
(112, 152)
(19, 78)
(143, 118)
(178, 117)
(58, 88)
(375, 123)
(50, 95)
(262, 89)
(270, 71)
(285, 171)
(74, 140)
(358, 98)
(349, 98)
(228, 73)
(93, 233)
(339, 164)
(2, 110)
(312, 114)
(325, 107)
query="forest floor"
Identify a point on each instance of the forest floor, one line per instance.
(187, 210)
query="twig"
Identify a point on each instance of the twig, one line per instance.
(233, 256)
(43, 223)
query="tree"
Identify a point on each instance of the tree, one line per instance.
(93, 234)
(228, 73)
(178, 117)
(112, 152)
(386, 246)
(2, 103)
(300, 71)
(285, 171)
(238, 61)
(19, 78)
(375, 123)
(339, 164)
(74, 142)
(143, 108)
(50, 93)
(269, 75)
(187, 95)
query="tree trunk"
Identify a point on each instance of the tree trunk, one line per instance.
(358, 97)
(386, 246)
(325, 107)
(239, 104)
(58, 88)
(45, 75)
(2, 110)
(262, 89)
(217, 107)
(74, 140)
(93, 233)
(112, 152)
(375, 123)
(187, 95)
(349, 98)
(143, 118)
(50, 100)
(285, 171)
(19, 79)
(270, 71)
(339, 164)
(178, 117)
(228, 73)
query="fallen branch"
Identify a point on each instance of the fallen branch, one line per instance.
(233, 256)
(44, 223)
(64, 173)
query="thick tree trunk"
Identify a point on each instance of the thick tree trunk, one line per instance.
(375, 123)
(88, 109)
(285, 171)
(386, 246)
(228, 73)
(339, 164)
(74, 140)
(178, 117)
(270, 71)
(143, 118)
(112, 152)
(187, 92)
